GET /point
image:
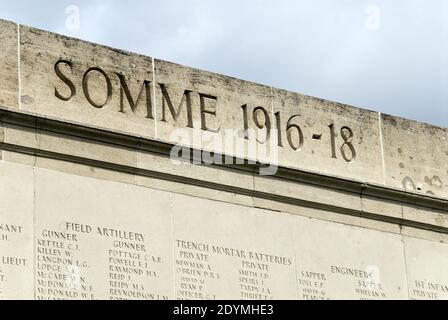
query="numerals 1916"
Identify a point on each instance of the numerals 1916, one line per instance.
(294, 133)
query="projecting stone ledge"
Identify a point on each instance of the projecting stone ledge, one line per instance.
(83, 83)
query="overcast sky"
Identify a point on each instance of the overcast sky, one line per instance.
(383, 55)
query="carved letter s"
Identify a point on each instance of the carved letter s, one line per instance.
(66, 80)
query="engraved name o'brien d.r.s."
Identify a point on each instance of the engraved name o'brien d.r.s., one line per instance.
(289, 134)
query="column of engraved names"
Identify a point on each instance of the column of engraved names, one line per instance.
(10, 234)
(131, 265)
(255, 273)
(129, 262)
(194, 271)
(312, 285)
(198, 269)
(60, 268)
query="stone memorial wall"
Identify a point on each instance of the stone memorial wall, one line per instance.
(277, 195)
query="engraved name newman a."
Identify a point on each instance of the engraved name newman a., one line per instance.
(64, 70)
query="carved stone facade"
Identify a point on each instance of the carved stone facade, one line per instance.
(128, 177)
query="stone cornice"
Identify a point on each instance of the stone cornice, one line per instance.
(356, 188)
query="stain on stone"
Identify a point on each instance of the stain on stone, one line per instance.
(430, 128)
(405, 125)
(400, 151)
(26, 99)
(434, 182)
(430, 193)
(393, 122)
(409, 184)
(310, 122)
(118, 51)
(35, 31)
(402, 166)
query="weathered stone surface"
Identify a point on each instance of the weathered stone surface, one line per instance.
(392, 211)
(328, 137)
(78, 147)
(420, 233)
(415, 156)
(79, 82)
(100, 240)
(426, 269)
(381, 206)
(9, 84)
(16, 232)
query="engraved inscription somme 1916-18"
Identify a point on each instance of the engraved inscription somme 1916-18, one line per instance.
(261, 119)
